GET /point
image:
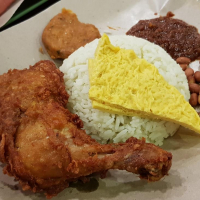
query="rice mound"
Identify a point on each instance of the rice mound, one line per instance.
(106, 127)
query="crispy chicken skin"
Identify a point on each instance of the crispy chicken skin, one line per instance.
(43, 144)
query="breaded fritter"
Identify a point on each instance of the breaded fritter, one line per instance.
(64, 34)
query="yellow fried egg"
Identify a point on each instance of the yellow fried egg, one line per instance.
(121, 83)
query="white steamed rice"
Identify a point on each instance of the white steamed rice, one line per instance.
(117, 128)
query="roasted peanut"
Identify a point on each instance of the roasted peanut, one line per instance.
(199, 98)
(197, 76)
(184, 66)
(193, 99)
(191, 79)
(189, 72)
(194, 88)
(183, 60)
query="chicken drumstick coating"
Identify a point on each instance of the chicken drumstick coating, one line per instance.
(43, 144)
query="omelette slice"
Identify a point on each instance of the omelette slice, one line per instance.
(124, 84)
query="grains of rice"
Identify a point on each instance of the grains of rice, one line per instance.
(117, 128)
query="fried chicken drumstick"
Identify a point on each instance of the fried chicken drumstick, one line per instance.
(43, 144)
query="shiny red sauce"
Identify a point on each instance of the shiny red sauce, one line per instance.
(177, 37)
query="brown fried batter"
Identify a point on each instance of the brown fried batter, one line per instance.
(43, 144)
(65, 33)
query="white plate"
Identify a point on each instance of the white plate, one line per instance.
(19, 48)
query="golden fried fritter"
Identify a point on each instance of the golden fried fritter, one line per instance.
(65, 33)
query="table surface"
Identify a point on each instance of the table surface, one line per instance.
(16, 18)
